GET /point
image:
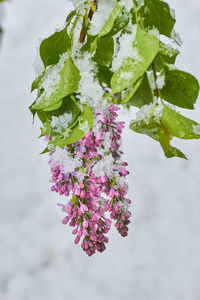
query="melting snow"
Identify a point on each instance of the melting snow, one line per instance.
(61, 122)
(125, 49)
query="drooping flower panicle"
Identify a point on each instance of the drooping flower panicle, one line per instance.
(94, 176)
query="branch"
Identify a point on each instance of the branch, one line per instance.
(85, 25)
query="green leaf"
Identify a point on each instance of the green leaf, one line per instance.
(107, 27)
(166, 55)
(178, 125)
(180, 88)
(77, 131)
(93, 46)
(172, 124)
(150, 129)
(46, 130)
(70, 16)
(87, 45)
(163, 138)
(156, 14)
(36, 82)
(55, 45)
(173, 151)
(42, 116)
(120, 22)
(54, 107)
(146, 46)
(104, 75)
(104, 51)
(69, 81)
(159, 133)
(143, 94)
(68, 105)
(130, 91)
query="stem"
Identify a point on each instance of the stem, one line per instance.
(135, 8)
(70, 17)
(155, 78)
(84, 28)
(85, 25)
(158, 92)
(139, 22)
(72, 33)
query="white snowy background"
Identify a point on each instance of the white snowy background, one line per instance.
(160, 259)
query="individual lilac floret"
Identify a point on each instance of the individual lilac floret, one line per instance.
(92, 173)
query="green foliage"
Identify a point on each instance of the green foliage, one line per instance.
(111, 22)
(178, 125)
(67, 105)
(180, 88)
(104, 75)
(171, 124)
(117, 20)
(76, 132)
(55, 45)
(143, 94)
(146, 46)
(120, 22)
(70, 16)
(136, 82)
(155, 14)
(69, 79)
(36, 83)
(127, 94)
(54, 107)
(104, 51)
(158, 132)
(166, 55)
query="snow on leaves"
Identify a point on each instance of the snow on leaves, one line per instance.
(155, 14)
(52, 47)
(145, 48)
(127, 57)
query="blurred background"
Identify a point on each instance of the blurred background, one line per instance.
(160, 258)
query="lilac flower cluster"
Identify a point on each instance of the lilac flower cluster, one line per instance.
(94, 176)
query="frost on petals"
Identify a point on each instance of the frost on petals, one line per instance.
(91, 172)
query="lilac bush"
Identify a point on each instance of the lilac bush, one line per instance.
(109, 54)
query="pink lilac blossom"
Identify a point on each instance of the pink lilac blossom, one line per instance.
(98, 192)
